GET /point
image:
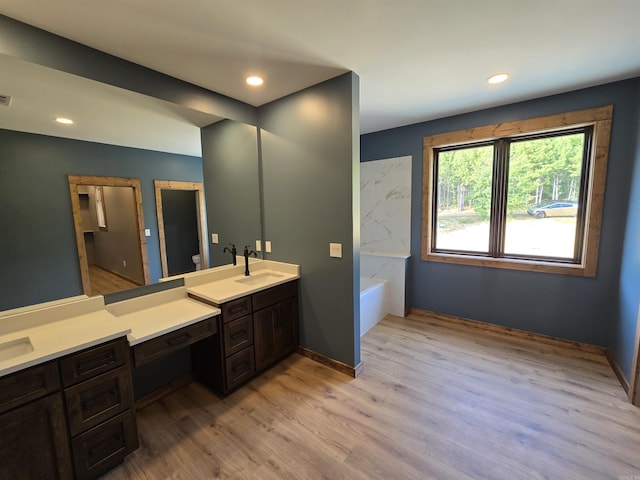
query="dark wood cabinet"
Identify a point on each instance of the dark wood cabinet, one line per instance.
(93, 361)
(34, 443)
(27, 385)
(170, 342)
(57, 420)
(98, 392)
(276, 332)
(256, 331)
(102, 448)
(98, 399)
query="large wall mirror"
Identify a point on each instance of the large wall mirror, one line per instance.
(121, 134)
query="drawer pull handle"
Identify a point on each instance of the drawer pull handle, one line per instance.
(237, 335)
(275, 318)
(108, 359)
(244, 366)
(240, 308)
(179, 340)
(87, 404)
(104, 450)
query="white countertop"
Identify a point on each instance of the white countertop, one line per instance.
(159, 313)
(61, 336)
(33, 335)
(219, 288)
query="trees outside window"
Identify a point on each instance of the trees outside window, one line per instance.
(525, 195)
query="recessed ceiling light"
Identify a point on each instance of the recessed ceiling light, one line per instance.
(255, 81)
(497, 78)
(64, 121)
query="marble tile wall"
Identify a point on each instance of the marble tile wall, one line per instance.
(385, 205)
(385, 225)
(390, 268)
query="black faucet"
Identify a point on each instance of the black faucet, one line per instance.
(247, 253)
(232, 251)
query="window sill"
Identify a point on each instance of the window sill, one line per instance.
(511, 264)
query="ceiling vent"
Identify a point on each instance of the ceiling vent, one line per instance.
(5, 100)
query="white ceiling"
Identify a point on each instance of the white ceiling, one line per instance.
(417, 59)
(102, 113)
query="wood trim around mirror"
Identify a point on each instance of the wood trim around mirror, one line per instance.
(198, 189)
(134, 183)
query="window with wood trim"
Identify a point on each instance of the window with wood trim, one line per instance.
(523, 195)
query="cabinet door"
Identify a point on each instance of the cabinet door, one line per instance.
(275, 332)
(34, 443)
(286, 332)
(264, 322)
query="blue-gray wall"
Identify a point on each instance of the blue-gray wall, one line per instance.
(309, 145)
(628, 298)
(574, 308)
(232, 186)
(38, 255)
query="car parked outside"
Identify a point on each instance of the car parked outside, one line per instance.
(554, 208)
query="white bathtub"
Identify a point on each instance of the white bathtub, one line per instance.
(373, 302)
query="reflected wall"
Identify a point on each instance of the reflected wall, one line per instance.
(37, 247)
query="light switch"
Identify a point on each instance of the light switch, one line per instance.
(147, 232)
(267, 246)
(335, 250)
(214, 238)
(258, 246)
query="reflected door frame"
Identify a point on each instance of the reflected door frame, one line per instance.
(198, 190)
(134, 183)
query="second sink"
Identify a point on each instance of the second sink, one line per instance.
(260, 278)
(15, 348)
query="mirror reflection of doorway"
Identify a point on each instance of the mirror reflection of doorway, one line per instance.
(181, 226)
(109, 229)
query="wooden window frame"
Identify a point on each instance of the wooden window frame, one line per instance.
(599, 118)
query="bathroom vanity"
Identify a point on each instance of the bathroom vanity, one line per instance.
(67, 408)
(256, 331)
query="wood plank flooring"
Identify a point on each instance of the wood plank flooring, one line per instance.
(103, 281)
(435, 401)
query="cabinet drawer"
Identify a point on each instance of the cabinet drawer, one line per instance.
(94, 361)
(102, 448)
(274, 295)
(236, 309)
(239, 367)
(98, 399)
(27, 385)
(171, 342)
(238, 334)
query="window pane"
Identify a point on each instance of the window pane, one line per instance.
(464, 199)
(542, 201)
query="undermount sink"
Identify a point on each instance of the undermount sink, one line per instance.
(15, 348)
(260, 278)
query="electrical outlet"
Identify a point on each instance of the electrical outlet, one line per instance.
(147, 232)
(124, 263)
(267, 246)
(214, 238)
(258, 246)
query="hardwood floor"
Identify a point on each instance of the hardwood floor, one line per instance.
(435, 401)
(103, 281)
